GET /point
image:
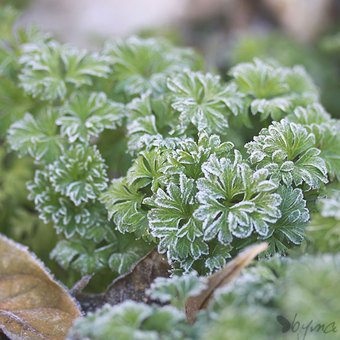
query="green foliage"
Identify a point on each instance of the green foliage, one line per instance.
(17, 218)
(235, 200)
(124, 205)
(79, 174)
(131, 320)
(324, 230)
(50, 70)
(203, 101)
(142, 64)
(331, 43)
(134, 147)
(8, 17)
(177, 289)
(61, 209)
(320, 59)
(83, 118)
(191, 185)
(37, 137)
(257, 285)
(242, 323)
(305, 278)
(147, 169)
(256, 305)
(172, 221)
(189, 156)
(275, 90)
(316, 120)
(287, 151)
(151, 121)
(289, 228)
(86, 257)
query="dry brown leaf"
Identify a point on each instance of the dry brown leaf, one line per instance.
(221, 278)
(131, 285)
(32, 305)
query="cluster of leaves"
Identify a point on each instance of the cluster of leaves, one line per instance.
(277, 299)
(273, 300)
(187, 188)
(135, 146)
(17, 218)
(201, 198)
(131, 320)
(68, 101)
(321, 59)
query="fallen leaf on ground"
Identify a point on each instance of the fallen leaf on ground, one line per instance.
(221, 278)
(131, 285)
(32, 305)
(134, 284)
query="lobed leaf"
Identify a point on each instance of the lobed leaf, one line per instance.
(49, 70)
(37, 137)
(84, 117)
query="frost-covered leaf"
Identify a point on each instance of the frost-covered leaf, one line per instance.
(150, 121)
(177, 289)
(274, 91)
(86, 257)
(32, 305)
(50, 69)
(287, 151)
(86, 116)
(132, 320)
(312, 114)
(68, 218)
(148, 168)
(75, 254)
(203, 101)
(141, 123)
(326, 131)
(276, 108)
(124, 205)
(217, 257)
(143, 64)
(259, 79)
(327, 140)
(266, 80)
(189, 156)
(330, 206)
(126, 251)
(80, 174)
(37, 137)
(172, 222)
(234, 200)
(289, 228)
(303, 91)
(256, 285)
